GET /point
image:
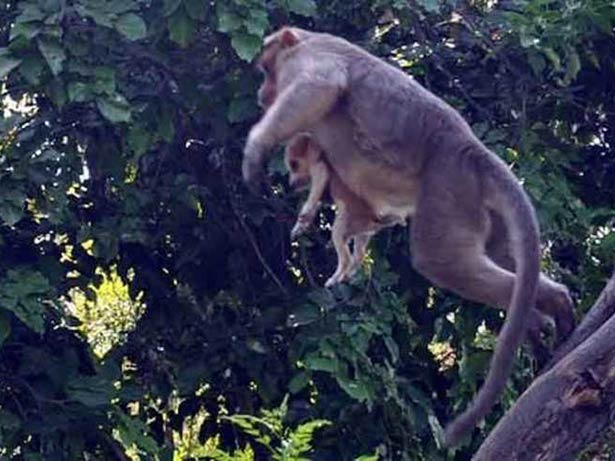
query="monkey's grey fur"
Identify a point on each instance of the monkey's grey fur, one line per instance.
(408, 153)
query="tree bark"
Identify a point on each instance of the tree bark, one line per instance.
(568, 405)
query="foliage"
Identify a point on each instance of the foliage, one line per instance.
(110, 316)
(121, 137)
(283, 444)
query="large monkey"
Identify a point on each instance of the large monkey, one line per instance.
(407, 152)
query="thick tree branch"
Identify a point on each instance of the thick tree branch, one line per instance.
(602, 310)
(568, 406)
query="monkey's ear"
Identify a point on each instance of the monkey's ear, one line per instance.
(288, 37)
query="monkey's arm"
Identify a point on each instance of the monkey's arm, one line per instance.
(319, 172)
(312, 93)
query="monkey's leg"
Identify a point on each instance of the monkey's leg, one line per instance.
(340, 238)
(448, 234)
(361, 242)
(319, 173)
(553, 298)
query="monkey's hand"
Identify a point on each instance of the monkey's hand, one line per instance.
(302, 225)
(253, 159)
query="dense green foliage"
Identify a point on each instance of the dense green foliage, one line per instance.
(120, 143)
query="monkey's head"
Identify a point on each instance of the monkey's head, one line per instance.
(300, 153)
(275, 48)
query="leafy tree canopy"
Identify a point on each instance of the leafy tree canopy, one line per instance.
(121, 204)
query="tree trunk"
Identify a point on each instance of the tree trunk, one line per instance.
(570, 403)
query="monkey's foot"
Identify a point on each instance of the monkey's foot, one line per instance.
(337, 277)
(301, 226)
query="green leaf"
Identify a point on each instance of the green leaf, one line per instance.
(105, 80)
(355, 389)
(8, 421)
(246, 45)
(53, 53)
(57, 92)
(118, 6)
(367, 458)
(31, 68)
(79, 92)
(228, 21)
(139, 140)
(304, 315)
(22, 292)
(553, 57)
(12, 205)
(181, 28)
(258, 22)
(5, 327)
(433, 6)
(114, 108)
(170, 6)
(195, 9)
(101, 16)
(30, 12)
(573, 66)
(166, 129)
(91, 391)
(131, 26)
(26, 30)
(302, 7)
(321, 364)
(7, 63)
(298, 382)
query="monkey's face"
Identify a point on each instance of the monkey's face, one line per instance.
(268, 63)
(299, 174)
(300, 153)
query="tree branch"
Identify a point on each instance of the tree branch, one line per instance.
(601, 311)
(569, 405)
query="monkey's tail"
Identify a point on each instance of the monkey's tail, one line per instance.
(512, 203)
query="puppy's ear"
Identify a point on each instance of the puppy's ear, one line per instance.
(298, 146)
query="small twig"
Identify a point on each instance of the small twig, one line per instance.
(306, 267)
(257, 250)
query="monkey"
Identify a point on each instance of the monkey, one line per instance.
(405, 151)
(355, 220)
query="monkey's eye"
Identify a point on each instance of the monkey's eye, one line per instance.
(293, 165)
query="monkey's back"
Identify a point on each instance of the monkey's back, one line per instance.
(405, 121)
